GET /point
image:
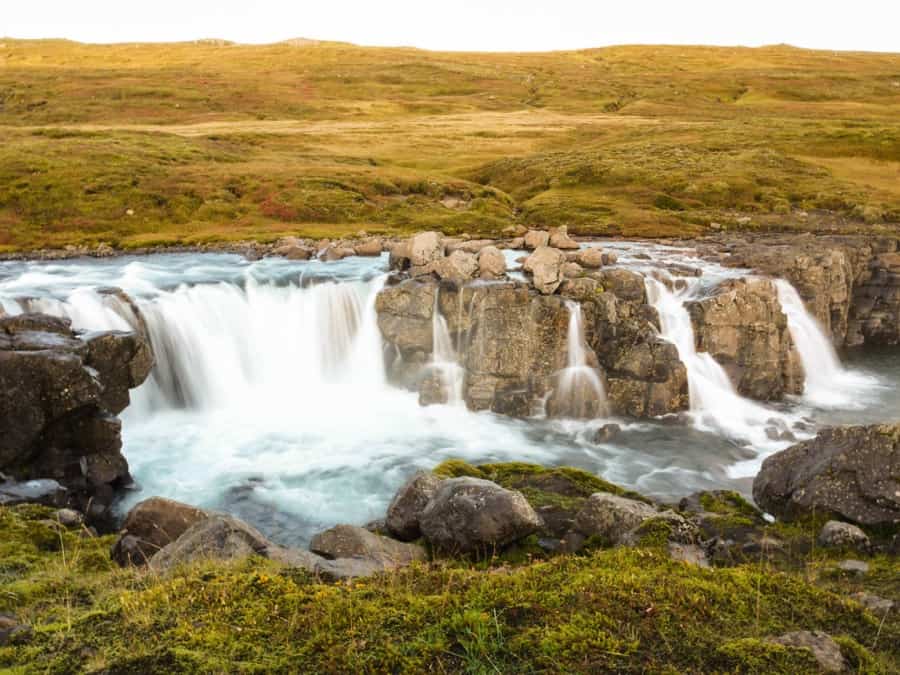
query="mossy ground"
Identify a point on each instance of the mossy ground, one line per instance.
(135, 145)
(611, 610)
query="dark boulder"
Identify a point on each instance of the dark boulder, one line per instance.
(150, 526)
(409, 502)
(853, 472)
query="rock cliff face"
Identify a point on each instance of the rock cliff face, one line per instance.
(513, 341)
(850, 284)
(744, 328)
(60, 393)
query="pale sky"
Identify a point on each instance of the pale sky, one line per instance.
(494, 25)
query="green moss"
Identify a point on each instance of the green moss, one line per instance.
(728, 502)
(752, 655)
(653, 532)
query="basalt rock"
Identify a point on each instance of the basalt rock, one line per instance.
(406, 508)
(744, 329)
(853, 472)
(59, 393)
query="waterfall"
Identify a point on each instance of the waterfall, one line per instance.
(447, 374)
(715, 406)
(828, 383)
(580, 392)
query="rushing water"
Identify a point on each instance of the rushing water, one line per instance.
(269, 398)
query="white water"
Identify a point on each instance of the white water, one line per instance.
(715, 406)
(445, 364)
(828, 384)
(580, 392)
(270, 398)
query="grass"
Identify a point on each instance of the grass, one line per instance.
(621, 610)
(140, 144)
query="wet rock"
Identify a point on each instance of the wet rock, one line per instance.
(399, 258)
(535, 239)
(59, 392)
(745, 330)
(491, 263)
(853, 472)
(334, 253)
(606, 433)
(840, 535)
(150, 526)
(409, 502)
(610, 258)
(474, 516)
(592, 258)
(347, 541)
(425, 248)
(545, 267)
(825, 650)
(293, 252)
(42, 491)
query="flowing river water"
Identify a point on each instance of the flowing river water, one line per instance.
(270, 399)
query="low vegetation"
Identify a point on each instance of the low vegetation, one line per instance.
(134, 145)
(622, 609)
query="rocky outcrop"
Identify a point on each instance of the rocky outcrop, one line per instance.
(406, 508)
(850, 471)
(150, 526)
(743, 327)
(850, 284)
(474, 516)
(60, 392)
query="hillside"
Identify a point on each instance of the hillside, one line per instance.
(141, 144)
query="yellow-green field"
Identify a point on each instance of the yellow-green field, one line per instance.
(144, 144)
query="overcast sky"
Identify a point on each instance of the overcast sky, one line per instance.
(498, 25)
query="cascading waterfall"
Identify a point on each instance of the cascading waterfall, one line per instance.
(444, 365)
(580, 392)
(715, 406)
(828, 383)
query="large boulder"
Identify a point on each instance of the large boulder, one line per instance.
(458, 267)
(535, 239)
(405, 509)
(545, 267)
(425, 248)
(475, 516)
(347, 541)
(853, 472)
(611, 517)
(150, 526)
(744, 328)
(591, 257)
(59, 393)
(491, 263)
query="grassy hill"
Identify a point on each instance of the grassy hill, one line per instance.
(137, 144)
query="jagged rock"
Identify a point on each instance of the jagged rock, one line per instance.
(591, 257)
(559, 238)
(545, 266)
(837, 534)
(405, 315)
(850, 471)
(59, 391)
(425, 248)
(370, 247)
(470, 515)
(491, 263)
(744, 328)
(535, 239)
(150, 526)
(826, 651)
(347, 541)
(409, 502)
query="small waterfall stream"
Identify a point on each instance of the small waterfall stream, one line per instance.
(444, 365)
(580, 392)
